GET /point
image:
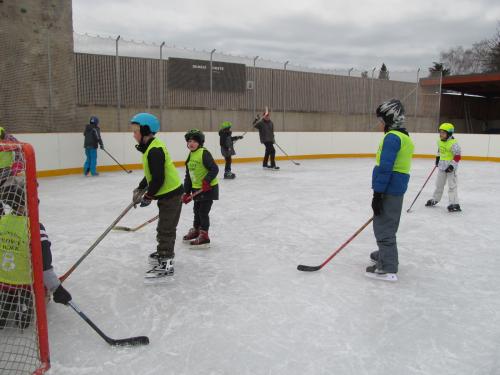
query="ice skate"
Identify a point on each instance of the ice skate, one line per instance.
(191, 235)
(201, 242)
(153, 258)
(274, 167)
(228, 175)
(454, 208)
(431, 202)
(159, 273)
(374, 273)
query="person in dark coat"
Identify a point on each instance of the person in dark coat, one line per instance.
(227, 147)
(93, 138)
(266, 135)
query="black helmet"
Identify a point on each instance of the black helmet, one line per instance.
(195, 134)
(392, 113)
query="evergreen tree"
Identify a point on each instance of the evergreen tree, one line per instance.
(383, 72)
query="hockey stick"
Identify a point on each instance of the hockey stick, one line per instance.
(425, 183)
(288, 156)
(131, 341)
(302, 267)
(111, 156)
(73, 267)
(127, 229)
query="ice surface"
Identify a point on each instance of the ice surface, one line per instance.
(241, 307)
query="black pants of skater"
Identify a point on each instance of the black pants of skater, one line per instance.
(201, 211)
(228, 160)
(169, 210)
(270, 152)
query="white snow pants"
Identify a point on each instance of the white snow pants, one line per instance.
(442, 178)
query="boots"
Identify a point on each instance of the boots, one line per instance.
(454, 208)
(191, 235)
(431, 202)
(228, 175)
(201, 242)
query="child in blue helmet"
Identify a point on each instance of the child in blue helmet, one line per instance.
(93, 138)
(161, 182)
(227, 147)
(449, 154)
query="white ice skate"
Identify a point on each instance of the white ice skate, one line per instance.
(158, 274)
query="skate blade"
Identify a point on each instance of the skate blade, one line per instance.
(390, 277)
(156, 280)
(199, 247)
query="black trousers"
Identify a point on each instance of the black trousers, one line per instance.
(270, 152)
(201, 211)
(228, 160)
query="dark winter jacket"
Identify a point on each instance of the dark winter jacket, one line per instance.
(266, 131)
(92, 135)
(213, 170)
(227, 142)
(156, 162)
(384, 179)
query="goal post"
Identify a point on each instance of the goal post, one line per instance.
(24, 346)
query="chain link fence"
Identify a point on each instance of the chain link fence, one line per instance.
(53, 89)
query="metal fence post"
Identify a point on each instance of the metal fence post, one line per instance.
(371, 94)
(118, 93)
(255, 88)
(416, 96)
(283, 93)
(49, 71)
(161, 85)
(211, 87)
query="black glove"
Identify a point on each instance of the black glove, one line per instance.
(449, 169)
(146, 200)
(102, 147)
(61, 295)
(137, 196)
(377, 203)
(239, 137)
(437, 160)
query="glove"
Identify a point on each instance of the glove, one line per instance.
(137, 195)
(146, 200)
(102, 147)
(256, 119)
(239, 137)
(437, 160)
(61, 295)
(377, 203)
(186, 198)
(450, 169)
(16, 168)
(205, 186)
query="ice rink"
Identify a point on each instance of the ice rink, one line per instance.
(241, 307)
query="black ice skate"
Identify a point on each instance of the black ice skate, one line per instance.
(431, 202)
(228, 175)
(454, 208)
(375, 273)
(159, 273)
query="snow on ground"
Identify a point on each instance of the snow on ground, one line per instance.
(241, 307)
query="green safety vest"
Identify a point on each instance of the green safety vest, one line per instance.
(402, 164)
(445, 149)
(15, 262)
(172, 180)
(6, 159)
(197, 170)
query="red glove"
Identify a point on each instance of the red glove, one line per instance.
(205, 186)
(16, 168)
(186, 198)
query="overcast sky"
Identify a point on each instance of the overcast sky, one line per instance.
(330, 34)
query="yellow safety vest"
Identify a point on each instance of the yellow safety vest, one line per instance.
(197, 170)
(172, 180)
(445, 148)
(15, 260)
(402, 164)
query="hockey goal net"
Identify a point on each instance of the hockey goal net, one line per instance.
(24, 345)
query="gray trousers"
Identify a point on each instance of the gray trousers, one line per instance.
(385, 227)
(441, 180)
(170, 212)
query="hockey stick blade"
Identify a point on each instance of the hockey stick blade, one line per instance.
(126, 229)
(304, 268)
(131, 341)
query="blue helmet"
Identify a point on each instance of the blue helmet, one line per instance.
(94, 120)
(149, 123)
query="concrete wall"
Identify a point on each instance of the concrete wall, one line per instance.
(63, 153)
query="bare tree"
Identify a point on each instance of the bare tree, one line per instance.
(492, 63)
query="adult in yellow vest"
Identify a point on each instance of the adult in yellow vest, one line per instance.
(448, 156)
(161, 182)
(201, 174)
(389, 183)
